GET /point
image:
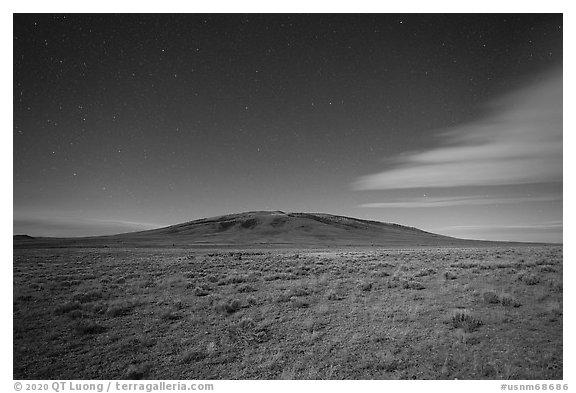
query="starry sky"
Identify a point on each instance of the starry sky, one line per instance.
(451, 123)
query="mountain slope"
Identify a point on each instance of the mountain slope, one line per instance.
(264, 228)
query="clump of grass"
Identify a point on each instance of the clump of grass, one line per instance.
(98, 307)
(120, 308)
(86, 297)
(298, 302)
(555, 285)
(228, 306)
(554, 310)
(282, 298)
(170, 315)
(280, 276)
(24, 298)
(75, 314)
(491, 297)
(149, 282)
(246, 323)
(252, 300)
(193, 355)
(211, 348)
(489, 370)
(449, 275)
(66, 307)
(463, 319)
(464, 265)
(366, 286)
(508, 300)
(529, 278)
(541, 262)
(410, 284)
(547, 269)
(298, 291)
(425, 272)
(334, 295)
(233, 280)
(137, 371)
(308, 325)
(179, 304)
(392, 284)
(246, 288)
(85, 327)
(199, 291)
(386, 361)
(212, 278)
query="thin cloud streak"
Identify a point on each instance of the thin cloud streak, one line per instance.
(75, 227)
(428, 202)
(519, 142)
(558, 225)
(548, 232)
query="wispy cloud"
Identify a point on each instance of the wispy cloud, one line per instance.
(429, 202)
(518, 142)
(74, 226)
(557, 225)
(550, 231)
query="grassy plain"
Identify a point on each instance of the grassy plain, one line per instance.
(429, 313)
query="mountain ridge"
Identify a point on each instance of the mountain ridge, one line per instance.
(266, 229)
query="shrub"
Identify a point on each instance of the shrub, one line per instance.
(412, 285)
(233, 280)
(555, 311)
(392, 283)
(298, 291)
(366, 286)
(98, 307)
(137, 371)
(212, 278)
(170, 315)
(75, 314)
(282, 298)
(463, 319)
(299, 303)
(193, 356)
(246, 288)
(425, 272)
(491, 297)
(86, 297)
(89, 327)
(198, 291)
(120, 308)
(555, 285)
(547, 269)
(334, 295)
(508, 300)
(246, 324)
(66, 307)
(529, 279)
(229, 306)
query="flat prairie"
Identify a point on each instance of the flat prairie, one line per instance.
(425, 313)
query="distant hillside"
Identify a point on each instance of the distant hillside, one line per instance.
(264, 229)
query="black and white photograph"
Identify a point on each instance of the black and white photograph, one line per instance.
(287, 196)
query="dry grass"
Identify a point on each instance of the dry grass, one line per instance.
(488, 313)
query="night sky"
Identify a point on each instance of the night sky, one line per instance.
(449, 123)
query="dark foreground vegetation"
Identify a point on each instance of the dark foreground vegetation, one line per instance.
(438, 313)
